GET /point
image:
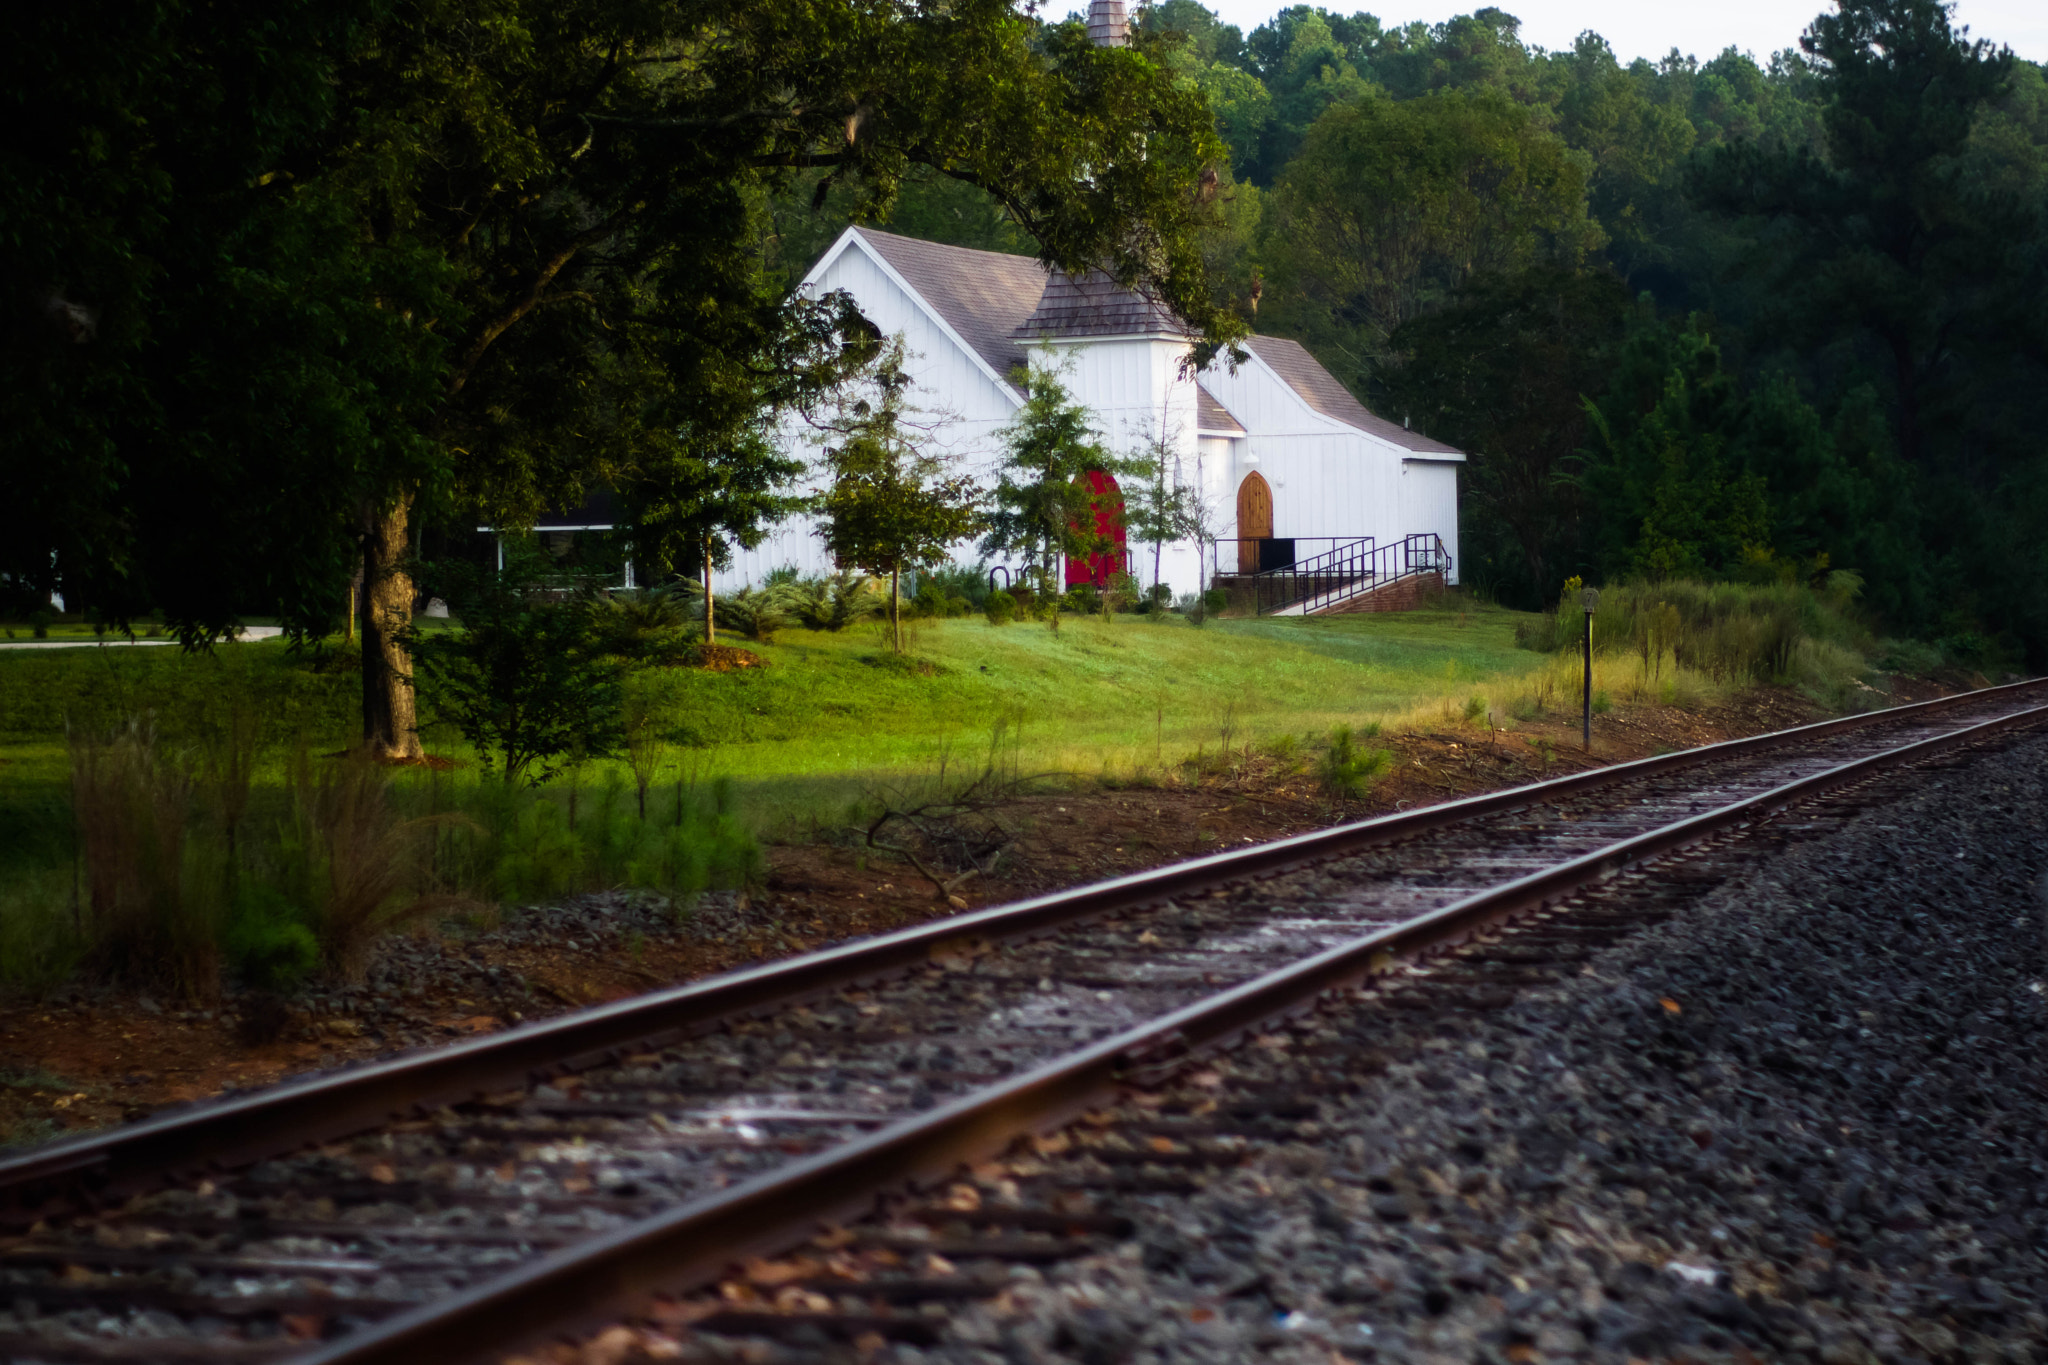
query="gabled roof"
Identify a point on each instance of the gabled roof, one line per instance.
(994, 301)
(1211, 416)
(982, 295)
(1097, 306)
(1321, 391)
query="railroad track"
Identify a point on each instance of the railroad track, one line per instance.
(451, 1205)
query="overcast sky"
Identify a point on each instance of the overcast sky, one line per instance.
(1651, 28)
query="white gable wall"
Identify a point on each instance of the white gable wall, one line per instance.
(953, 393)
(1429, 501)
(1328, 479)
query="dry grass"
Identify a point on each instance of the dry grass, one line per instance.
(357, 866)
(137, 902)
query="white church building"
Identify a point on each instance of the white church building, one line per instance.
(1315, 502)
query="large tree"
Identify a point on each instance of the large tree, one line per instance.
(1504, 372)
(1392, 205)
(1886, 234)
(553, 211)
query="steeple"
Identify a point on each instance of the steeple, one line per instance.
(1109, 25)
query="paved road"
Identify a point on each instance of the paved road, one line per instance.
(248, 633)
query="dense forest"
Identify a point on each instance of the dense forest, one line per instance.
(1694, 318)
(289, 287)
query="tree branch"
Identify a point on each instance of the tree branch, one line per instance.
(533, 297)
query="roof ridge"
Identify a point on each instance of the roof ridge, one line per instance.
(866, 231)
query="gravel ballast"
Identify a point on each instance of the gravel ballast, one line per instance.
(1807, 1119)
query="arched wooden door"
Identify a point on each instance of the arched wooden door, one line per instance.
(1254, 520)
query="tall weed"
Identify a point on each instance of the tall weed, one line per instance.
(1723, 634)
(353, 863)
(140, 911)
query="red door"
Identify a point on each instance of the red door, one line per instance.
(1107, 501)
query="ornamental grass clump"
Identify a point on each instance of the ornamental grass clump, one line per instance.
(355, 865)
(139, 912)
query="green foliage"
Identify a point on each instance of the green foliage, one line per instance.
(1391, 205)
(1776, 632)
(526, 679)
(1000, 607)
(1502, 371)
(1346, 770)
(837, 602)
(1043, 506)
(706, 847)
(960, 582)
(1674, 504)
(756, 613)
(267, 941)
(893, 505)
(634, 624)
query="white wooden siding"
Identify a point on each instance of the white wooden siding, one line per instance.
(1328, 479)
(1429, 501)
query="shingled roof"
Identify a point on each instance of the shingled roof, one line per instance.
(996, 301)
(1097, 306)
(1321, 391)
(1212, 416)
(982, 295)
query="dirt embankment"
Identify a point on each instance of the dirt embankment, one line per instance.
(88, 1056)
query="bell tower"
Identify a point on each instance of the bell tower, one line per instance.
(1109, 24)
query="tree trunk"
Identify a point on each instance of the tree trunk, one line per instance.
(895, 609)
(709, 638)
(355, 601)
(390, 728)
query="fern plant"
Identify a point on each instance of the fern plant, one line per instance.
(837, 602)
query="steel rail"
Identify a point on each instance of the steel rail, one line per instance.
(96, 1169)
(696, 1243)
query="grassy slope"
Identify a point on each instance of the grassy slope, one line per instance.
(831, 711)
(1095, 697)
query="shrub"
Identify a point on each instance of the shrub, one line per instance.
(1121, 594)
(1026, 598)
(756, 614)
(626, 623)
(959, 583)
(1736, 633)
(355, 864)
(527, 680)
(1083, 598)
(837, 602)
(705, 848)
(1214, 601)
(1001, 608)
(267, 941)
(1347, 770)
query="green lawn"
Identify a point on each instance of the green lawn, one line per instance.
(833, 712)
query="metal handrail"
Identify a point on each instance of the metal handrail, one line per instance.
(1349, 569)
